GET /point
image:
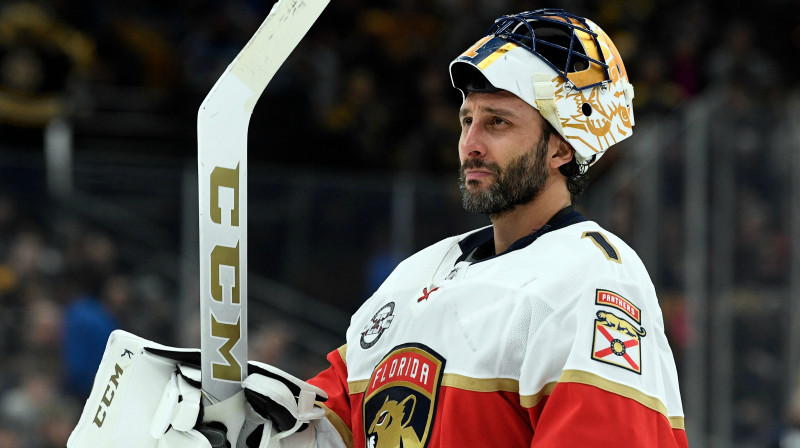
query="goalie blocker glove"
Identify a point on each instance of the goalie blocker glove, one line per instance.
(148, 395)
(279, 405)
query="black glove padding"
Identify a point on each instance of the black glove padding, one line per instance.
(285, 400)
(216, 433)
(282, 418)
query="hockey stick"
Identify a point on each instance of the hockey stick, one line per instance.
(222, 124)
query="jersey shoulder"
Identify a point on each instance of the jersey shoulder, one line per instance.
(583, 261)
(589, 242)
(586, 251)
(607, 328)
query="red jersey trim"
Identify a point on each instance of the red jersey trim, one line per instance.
(577, 414)
(529, 401)
(333, 381)
(590, 379)
(341, 427)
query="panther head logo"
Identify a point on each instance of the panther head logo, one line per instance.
(400, 400)
(392, 425)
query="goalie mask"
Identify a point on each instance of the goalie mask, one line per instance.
(564, 66)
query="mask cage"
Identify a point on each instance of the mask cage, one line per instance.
(557, 43)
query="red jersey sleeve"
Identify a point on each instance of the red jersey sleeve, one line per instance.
(576, 414)
(333, 381)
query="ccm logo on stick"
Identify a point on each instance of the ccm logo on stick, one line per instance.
(225, 256)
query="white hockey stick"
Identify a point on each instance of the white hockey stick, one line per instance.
(222, 123)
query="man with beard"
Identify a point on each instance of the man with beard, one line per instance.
(542, 330)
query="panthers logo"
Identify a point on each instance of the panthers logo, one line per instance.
(617, 342)
(392, 426)
(400, 401)
(621, 325)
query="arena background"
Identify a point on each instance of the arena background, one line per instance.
(353, 167)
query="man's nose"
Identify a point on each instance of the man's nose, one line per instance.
(472, 142)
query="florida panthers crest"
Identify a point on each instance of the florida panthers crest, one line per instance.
(617, 341)
(400, 400)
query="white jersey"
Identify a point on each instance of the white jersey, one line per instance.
(566, 318)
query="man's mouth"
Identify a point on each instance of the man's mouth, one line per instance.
(477, 174)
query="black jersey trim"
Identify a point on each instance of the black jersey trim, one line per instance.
(479, 246)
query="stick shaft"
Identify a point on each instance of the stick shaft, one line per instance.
(222, 124)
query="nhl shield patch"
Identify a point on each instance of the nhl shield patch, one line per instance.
(617, 340)
(400, 400)
(379, 323)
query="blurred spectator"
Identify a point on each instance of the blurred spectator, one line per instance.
(359, 122)
(88, 322)
(57, 423)
(737, 59)
(42, 321)
(656, 93)
(788, 433)
(95, 307)
(10, 436)
(270, 344)
(23, 407)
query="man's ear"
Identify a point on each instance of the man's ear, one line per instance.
(561, 152)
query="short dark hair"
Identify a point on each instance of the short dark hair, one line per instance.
(572, 170)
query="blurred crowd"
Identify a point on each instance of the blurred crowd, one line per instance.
(62, 291)
(366, 90)
(368, 86)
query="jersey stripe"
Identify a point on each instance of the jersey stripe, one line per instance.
(568, 376)
(480, 384)
(610, 418)
(339, 424)
(458, 382)
(529, 401)
(357, 387)
(590, 379)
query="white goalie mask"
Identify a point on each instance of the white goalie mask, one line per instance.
(564, 66)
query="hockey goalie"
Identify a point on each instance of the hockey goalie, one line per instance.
(542, 330)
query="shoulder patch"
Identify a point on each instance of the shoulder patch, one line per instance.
(617, 341)
(379, 323)
(614, 300)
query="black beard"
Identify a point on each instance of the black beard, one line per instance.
(519, 183)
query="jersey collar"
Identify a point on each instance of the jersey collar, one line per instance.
(479, 246)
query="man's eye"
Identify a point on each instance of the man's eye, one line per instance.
(466, 121)
(498, 120)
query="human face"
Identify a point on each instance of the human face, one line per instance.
(503, 152)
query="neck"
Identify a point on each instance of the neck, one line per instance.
(526, 218)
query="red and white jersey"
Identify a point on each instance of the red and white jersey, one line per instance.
(557, 343)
